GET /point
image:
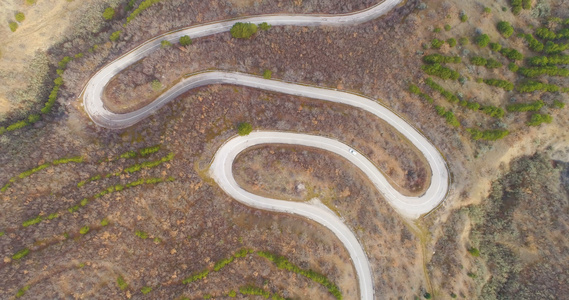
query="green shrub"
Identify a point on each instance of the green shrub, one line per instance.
(414, 89)
(513, 67)
(437, 44)
(165, 44)
(20, 17)
(531, 86)
(451, 42)
(505, 29)
(84, 230)
(244, 128)
(538, 119)
(546, 34)
(156, 85)
(463, 41)
(115, 35)
(512, 54)
(474, 252)
(31, 2)
(523, 107)
(196, 277)
(440, 71)
(438, 58)
(32, 221)
(21, 254)
(548, 60)
(487, 10)
(478, 61)
(251, 290)
(141, 234)
(547, 70)
(143, 5)
(146, 289)
(493, 111)
(533, 44)
(504, 84)
(267, 74)
(482, 40)
(104, 222)
(232, 294)
(552, 48)
(265, 26)
(122, 283)
(13, 26)
(447, 27)
(526, 4)
(437, 30)
(427, 296)
(463, 17)
(185, 40)
(448, 95)
(487, 135)
(493, 64)
(21, 292)
(558, 104)
(496, 47)
(108, 13)
(222, 263)
(243, 30)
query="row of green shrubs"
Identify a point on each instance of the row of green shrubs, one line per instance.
(75, 159)
(532, 86)
(488, 63)
(487, 135)
(533, 43)
(282, 263)
(85, 201)
(523, 107)
(218, 265)
(257, 291)
(548, 60)
(448, 115)
(547, 34)
(503, 84)
(143, 6)
(546, 70)
(440, 71)
(440, 59)
(517, 5)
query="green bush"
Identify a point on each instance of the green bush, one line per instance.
(122, 283)
(487, 135)
(165, 44)
(463, 17)
(267, 74)
(558, 104)
(463, 41)
(493, 64)
(548, 60)
(243, 30)
(265, 26)
(447, 27)
(496, 47)
(504, 84)
(141, 234)
(156, 85)
(196, 277)
(451, 42)
(414, 89)
(548, 70)
(115, 35)
(526, 4)
(108, 13)
(185, 40)
(104, 222)
(427, 296)
(440, 71)
(493, 111)
(146, 289)
(222, 263)
(505, 29)
(538, 119)
(437, 44)
(21, 254)
(448, 115)
(487, 10)
(482, 40)
(474, 252)
(512, 54)
(244, 128)
(531, 86)
(143, 5)
(533, 44)
(13, 26)
(21, 292)
(448, 95)
(523, 107)
(438, 58)
(513, 67)
(232, 294)
(32, 221)
(552, 48)
(84, 230)
(251, 290)
(20, 17)
(478, 61)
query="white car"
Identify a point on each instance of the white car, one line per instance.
(353, 151)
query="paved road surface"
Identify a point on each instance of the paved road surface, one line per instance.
(221, 168)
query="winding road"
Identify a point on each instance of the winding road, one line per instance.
(221, 167)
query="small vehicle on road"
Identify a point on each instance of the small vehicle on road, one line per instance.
(353, 151)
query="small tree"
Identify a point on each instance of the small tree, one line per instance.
(244, 128)
(109, 13)
(265, 26)
(482, 40)
(451, 42)
(20, 17)
(463, 17)
(115, 35)
(243, 30)
(505, 29)
(185, 40)
(13, 26)
(267, 74)
(156, 85)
